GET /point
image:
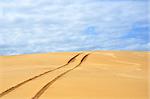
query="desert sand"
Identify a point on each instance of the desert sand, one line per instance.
(75, 75)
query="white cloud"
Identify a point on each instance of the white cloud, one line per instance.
(62, 25)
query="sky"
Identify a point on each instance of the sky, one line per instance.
(41, 26)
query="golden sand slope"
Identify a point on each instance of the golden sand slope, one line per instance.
(76, 75)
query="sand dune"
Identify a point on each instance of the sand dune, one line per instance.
(75, 75)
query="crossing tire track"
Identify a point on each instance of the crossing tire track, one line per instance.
(37, 76)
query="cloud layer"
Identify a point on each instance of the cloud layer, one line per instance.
(33, 26)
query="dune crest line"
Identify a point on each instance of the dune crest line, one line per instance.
(30, 79)
(43, 89)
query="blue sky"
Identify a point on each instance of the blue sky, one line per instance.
(38, 26)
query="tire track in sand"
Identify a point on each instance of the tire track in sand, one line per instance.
(43, 89)
(37, 76)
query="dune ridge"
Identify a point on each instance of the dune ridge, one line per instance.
(77, 75)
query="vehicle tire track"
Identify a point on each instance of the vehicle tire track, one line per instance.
(43, 89)
(30, 79)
